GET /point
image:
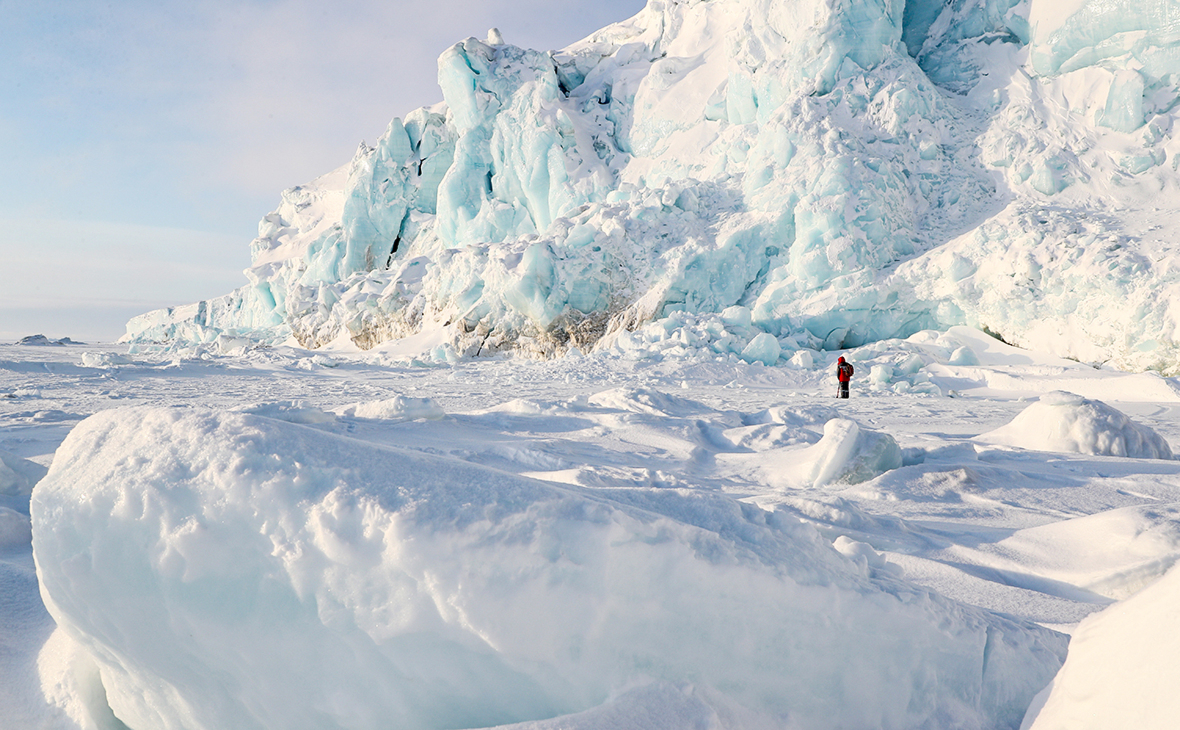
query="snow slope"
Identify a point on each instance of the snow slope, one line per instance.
(847, 170)
(1110, 679)
(445, 594)
(287, 538)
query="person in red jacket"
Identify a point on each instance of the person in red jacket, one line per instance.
(844, 375)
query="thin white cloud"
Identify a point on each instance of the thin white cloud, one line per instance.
(196, 115)
(81, 261)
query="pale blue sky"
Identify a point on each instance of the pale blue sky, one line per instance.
(141, 142)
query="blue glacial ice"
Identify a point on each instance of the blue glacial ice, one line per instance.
(847, 171)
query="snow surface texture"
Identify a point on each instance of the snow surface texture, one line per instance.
(1110, 678)
(844, 170)
(449, 595)
(712, 449)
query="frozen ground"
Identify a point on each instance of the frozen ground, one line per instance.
(919, 481)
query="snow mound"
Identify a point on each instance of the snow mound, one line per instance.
(104, 359)
(1114, 553)
(645, 400)
(399, 407)
(1062, 421)
(205, 560)
(1122, 668)
(295, 411)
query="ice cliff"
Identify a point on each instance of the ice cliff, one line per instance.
(841, 170)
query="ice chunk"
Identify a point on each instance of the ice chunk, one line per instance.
(1124, 102)
(963, 355)
(849, 454)
(803, 359)
(764, 348)
(15, 529)
(1062, 421)
(865, 555)
(880, 376)
(17, 477)
(71, 683)
(233, 571)
(736, 316)
(846, 454)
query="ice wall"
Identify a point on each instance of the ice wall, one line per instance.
(848, 170)
(233, 571)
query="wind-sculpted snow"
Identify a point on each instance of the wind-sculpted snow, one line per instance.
(846, 170)
(206, 562)
(1112, 677)
(1062, 421)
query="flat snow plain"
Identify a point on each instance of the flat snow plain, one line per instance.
(962, 509)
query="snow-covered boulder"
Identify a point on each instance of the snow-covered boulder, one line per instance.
(224, 570)
(1062, 421)
(1122, 670)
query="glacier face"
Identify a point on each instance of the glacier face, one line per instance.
(846, 170)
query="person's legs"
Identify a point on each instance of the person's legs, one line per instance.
(843, 390)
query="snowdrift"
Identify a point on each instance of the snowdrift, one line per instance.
(844, 171)
(1062, 421)
(204, 561)
(1122, 667)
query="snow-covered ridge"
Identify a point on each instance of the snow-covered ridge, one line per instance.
(205, 561)
(846, 170)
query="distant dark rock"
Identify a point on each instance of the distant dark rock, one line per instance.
(43, 340)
